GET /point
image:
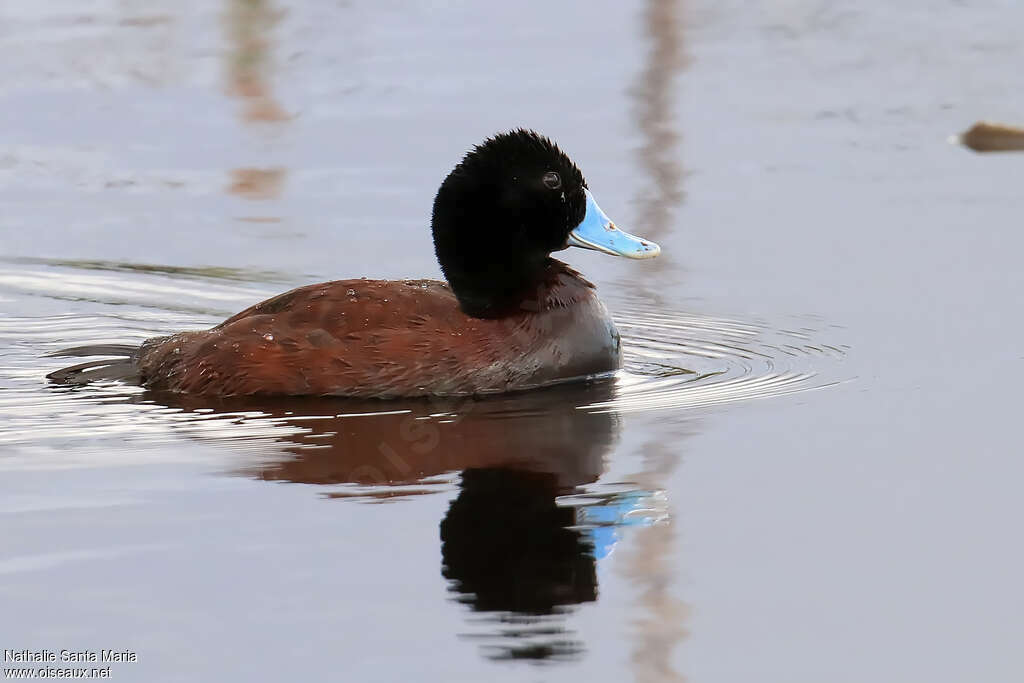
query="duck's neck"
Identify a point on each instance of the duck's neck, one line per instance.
(495, 288)
(505, 291)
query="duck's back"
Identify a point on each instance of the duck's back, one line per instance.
(379, 338)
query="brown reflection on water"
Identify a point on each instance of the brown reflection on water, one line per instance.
(249, 25)
(257, 183)
(659, 624)
(655, 118)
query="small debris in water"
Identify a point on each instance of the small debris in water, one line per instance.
(268, 337)
(986, 136)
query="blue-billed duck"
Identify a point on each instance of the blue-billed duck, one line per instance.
(508, 318)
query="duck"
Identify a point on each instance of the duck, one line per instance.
(508, 316)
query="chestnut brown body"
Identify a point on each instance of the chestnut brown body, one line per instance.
(384, 339)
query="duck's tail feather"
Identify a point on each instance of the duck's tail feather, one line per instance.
(122, 367)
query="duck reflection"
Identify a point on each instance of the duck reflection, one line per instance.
(507, 548)
(380, 448)
(510, 551)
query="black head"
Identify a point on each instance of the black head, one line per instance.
(500, 213)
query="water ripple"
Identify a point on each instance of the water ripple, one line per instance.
(672, 360)
(685, 360)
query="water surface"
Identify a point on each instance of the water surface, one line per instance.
(805, 471)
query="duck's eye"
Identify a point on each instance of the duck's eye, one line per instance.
(552, 180)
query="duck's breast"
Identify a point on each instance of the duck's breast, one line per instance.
(570, 336)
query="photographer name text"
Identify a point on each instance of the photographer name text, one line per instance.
(49, 656)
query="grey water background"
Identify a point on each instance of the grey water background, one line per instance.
(164, 165)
